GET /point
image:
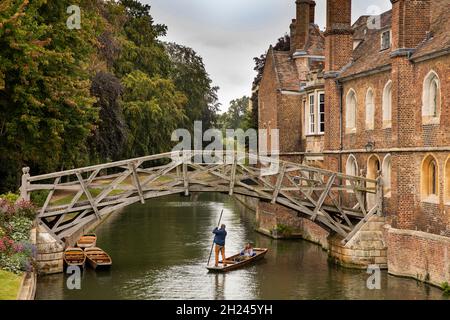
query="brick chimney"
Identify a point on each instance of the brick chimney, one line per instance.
(312, 12)
(292, 27)
(304, 16)
(338, 53)
(338, 34)
(411, 20)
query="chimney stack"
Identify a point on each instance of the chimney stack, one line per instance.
(312, 12)
(338, 34)
(411, 20)
(303, 20)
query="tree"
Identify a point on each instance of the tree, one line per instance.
(153, 109)
(234, 118)
(110, 135)
(45, 105)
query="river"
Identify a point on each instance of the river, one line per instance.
(160, 249)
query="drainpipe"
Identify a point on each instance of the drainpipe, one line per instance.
(341, 114)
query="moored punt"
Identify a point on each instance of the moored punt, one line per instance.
(97, 258)
(87, 241)
(74, 257)
(233, 262)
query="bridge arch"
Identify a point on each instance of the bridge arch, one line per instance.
(79, 196)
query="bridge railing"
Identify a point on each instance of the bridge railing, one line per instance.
(74, 198)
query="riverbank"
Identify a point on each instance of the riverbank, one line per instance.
(11, 284)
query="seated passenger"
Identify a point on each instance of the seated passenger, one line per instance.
(248, 251)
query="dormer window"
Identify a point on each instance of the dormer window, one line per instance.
(386, 40)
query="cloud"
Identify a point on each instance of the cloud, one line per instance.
(229, 33)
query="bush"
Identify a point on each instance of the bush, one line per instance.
(446, 287)
(20, 228)
(16, 221)
(283, 230)
(11, 197)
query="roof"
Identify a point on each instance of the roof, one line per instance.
(440, 31)
(367, 55)
(285, 70)
(285, 67)
(315, 44)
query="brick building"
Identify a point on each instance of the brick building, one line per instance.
(373, 97)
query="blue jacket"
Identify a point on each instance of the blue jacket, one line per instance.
(220, 235)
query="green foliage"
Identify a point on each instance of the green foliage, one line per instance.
(38, 197)
(446, 287)
(10, 197)
(190, 77)
(282, 230)
(108, 91)
(153, 108)
(20, 227)
(238, 116)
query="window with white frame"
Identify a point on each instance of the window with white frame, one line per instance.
(315, 113)
(370, 110)
(350, 114)
(431, 96)
(387, 105)
(321, 112)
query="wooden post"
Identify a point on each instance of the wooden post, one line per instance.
(380, 195)
(137, 183)
(279, 183)
(24, 194)
(88, 194)
(185, 177)
(233, 175)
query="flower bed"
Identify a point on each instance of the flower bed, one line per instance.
(16, 220)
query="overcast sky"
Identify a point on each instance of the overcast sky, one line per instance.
(229, 33)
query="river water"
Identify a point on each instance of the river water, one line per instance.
(160, 249)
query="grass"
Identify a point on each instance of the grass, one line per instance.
(10, 285)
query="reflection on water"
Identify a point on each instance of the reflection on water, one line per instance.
(160, 249)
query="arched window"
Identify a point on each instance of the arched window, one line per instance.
(370, 110)
(350, 114)
(373, 167)
(430, 178)
(387, 105)
(431, 97)
(386, 171)
(351, 168)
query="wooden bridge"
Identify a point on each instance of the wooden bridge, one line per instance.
(74, 198)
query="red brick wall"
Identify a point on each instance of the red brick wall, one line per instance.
(419, 255)
(382, 137)
(290, 116)
(268, 97)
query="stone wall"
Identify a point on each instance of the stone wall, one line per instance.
(367, 247)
